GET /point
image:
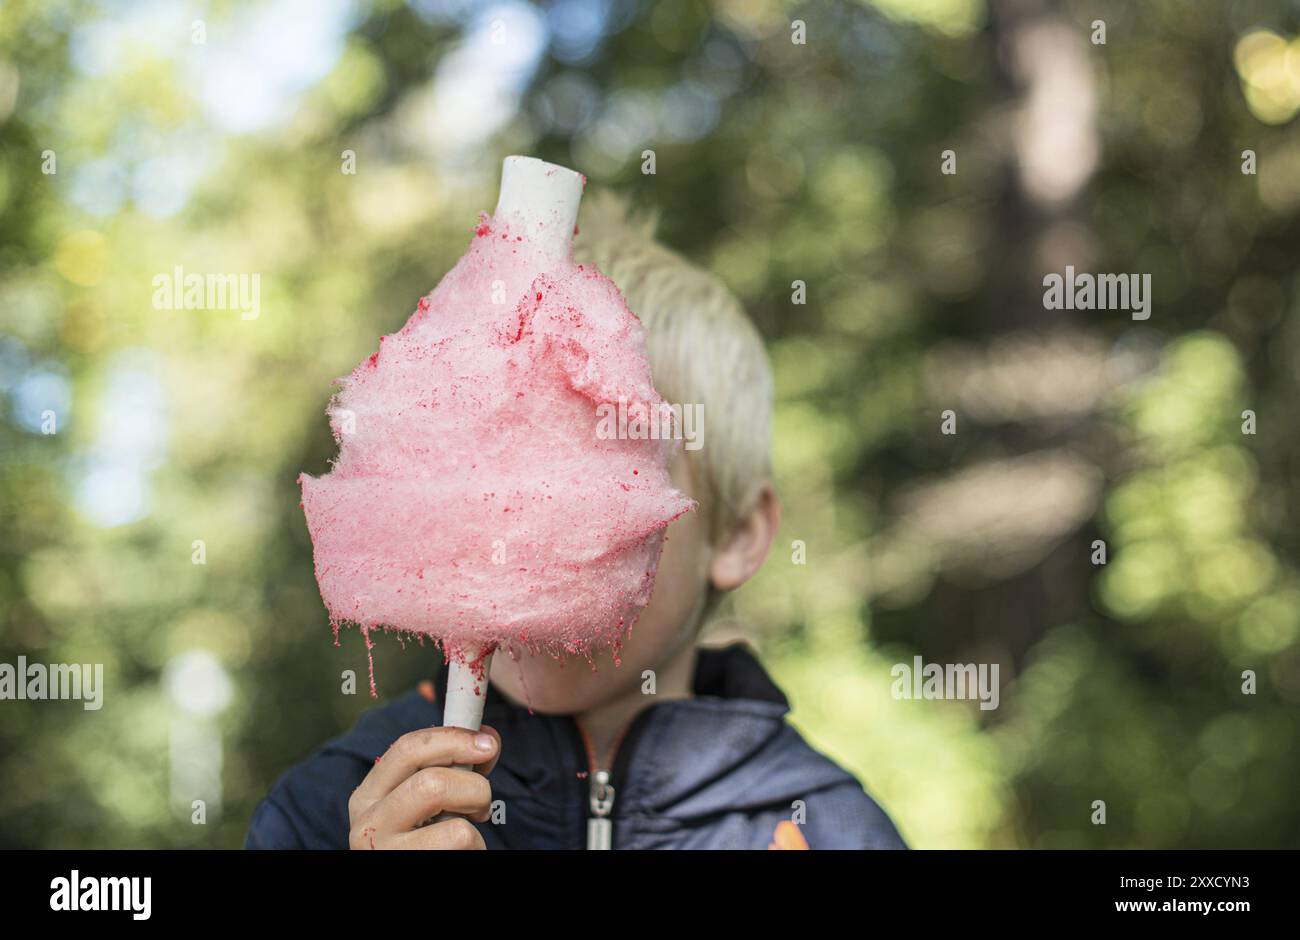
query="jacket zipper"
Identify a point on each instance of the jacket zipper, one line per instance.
(600, 830)
(600, 792)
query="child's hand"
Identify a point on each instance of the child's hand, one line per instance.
(419, 777)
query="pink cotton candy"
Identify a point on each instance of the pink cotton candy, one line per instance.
(472, 499)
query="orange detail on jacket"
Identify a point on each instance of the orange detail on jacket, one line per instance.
(788, 836)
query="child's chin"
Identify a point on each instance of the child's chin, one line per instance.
(551, 689)
(555, 701)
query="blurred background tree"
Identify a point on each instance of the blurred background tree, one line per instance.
(140, 136)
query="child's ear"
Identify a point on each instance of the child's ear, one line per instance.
(740, 553)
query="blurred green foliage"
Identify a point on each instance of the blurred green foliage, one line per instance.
(775, 162)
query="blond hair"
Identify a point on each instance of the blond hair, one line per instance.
(703, 350)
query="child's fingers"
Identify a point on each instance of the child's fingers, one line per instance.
(456, 833)
(412, 752)
(427, 793)
(486, 768)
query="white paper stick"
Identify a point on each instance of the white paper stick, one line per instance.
(542, 200)
(462, 705)
(467, 682)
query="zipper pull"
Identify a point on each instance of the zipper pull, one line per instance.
(600, 830)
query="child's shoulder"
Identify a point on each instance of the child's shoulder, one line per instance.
(838, 814)
(729, 767)
(739, 775)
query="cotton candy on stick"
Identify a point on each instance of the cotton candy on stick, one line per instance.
(473, 499)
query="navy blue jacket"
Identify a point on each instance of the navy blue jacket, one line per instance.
(717, 771)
